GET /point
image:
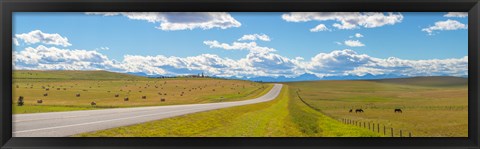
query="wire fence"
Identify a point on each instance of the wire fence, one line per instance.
(378, 128)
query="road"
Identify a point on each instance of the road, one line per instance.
(63, 124)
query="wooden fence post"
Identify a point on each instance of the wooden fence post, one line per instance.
(384, 130)
(368, 125)
(378, 128)
(391, 131)
(409, 134)
(400, 133)
(373, 127)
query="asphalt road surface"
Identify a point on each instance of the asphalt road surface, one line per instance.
(63, 124)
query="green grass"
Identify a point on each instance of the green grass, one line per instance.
(40, 109)
(429, 110)
(101, 87)
(283, 117)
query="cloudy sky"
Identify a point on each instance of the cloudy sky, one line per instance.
(244, 44)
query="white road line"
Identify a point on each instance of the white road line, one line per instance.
(211, 106)
(102, 121)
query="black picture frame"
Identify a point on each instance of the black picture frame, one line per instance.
(7, 7)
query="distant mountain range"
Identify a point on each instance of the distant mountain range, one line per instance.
(312, 77)
(304, 77)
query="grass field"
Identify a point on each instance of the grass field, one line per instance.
(101, 87)
(432, 106)
(286, 116)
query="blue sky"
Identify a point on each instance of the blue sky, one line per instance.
(413, 44)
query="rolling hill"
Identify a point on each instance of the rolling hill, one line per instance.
(438, 81)
(72, 75)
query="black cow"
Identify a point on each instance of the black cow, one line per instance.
(46, 94)
(125, 99)
(144, 97)
(78, 95)
(398, 110)
(359, 110)
(162, 100)
(40, 101)
(116, 95)
(351, 110)
(93, 103)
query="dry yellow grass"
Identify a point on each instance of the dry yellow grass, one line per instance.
(428, 111)
(62, 92)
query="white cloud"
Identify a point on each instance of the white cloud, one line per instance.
(456, 14)
(358, 35)
(347, 20)
(15, 41)
(262, 37)
(102, 48)
(354, 43)
(445, 25)
(172, 21)
(52, 58)
(37, 36)
(320, 27)
(256, 63)
(349, 62)
(252, 46)
(338, 43)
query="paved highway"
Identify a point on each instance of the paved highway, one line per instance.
(62, 124)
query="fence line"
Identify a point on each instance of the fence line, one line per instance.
(375, 127)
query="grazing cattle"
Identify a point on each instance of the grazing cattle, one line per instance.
(58, 88)
(47, 89)
(165, 94)
(213, 90)
(398, 110)
(351, 110)
(144, 97)
(162, 99)
(116, 95)
(93, 103)
(20, 101)
(358, 110)
(78, 95)
(46, 94)
(40, 101)
(125, 99)
(64, 89)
